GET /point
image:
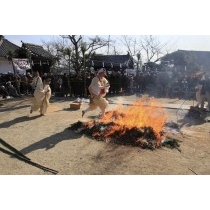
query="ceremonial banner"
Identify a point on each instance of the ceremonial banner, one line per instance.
(21, 65)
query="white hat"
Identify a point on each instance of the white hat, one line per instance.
(101, 70)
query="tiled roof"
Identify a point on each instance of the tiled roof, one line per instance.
(37, 50)
(112, 58)
(201, 58)
(6, 46)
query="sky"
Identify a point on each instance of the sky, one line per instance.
(181, 42)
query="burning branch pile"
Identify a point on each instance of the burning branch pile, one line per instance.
(144, 137)
(138, 125)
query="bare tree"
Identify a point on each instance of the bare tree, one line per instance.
(84, 48)
(70, 51)
(152, 47)
(133, 47)
(131, 44)
(57, 48)
(149, 47)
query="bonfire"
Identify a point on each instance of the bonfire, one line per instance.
(140, 124)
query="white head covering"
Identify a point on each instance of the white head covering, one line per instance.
(101, 70)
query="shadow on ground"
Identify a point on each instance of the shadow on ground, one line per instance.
(13, 108)
(17, 120)
(189, 121)
(51, 141)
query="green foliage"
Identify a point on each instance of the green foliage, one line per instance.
(10, 55)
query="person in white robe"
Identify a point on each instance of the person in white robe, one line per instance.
(98, 88)
(37, 86)
(198, 95)
(47, 95)
(42, 94)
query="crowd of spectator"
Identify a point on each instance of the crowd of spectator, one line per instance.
(157, 84)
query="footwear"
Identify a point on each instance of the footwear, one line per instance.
(31, 111)
(83, 112)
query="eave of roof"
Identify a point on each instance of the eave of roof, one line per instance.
(111, 58)
(6, 46)
(37, 50)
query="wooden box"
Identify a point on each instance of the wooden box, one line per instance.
(75, 105)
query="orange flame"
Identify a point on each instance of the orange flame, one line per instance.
(140, 114)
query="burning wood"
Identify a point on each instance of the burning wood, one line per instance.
(137, 125)
(143, 137)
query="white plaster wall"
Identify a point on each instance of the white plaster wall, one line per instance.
(5, 66)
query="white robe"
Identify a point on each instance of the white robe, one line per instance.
(98, 89)
(198, 94)
(41, 98)
(45, 102)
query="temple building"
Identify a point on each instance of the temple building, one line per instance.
(188, 60)
(111, 62)
(40, 59)
(29, 56)
(7, 51)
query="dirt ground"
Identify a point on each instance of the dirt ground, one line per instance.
(47, 141)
